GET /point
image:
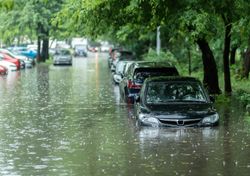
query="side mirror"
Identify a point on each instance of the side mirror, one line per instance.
(212, 99)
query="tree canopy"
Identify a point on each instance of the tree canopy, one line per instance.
(217, 28)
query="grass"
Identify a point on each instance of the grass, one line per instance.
(47, 62)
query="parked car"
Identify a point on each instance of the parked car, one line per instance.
(3, 70)
(8, 58)
(80, 50)
(62, 57)
(175, 102)
(121, 56)
(10, 66)
(105, 48)
(137, 72)
(93, 48)
(112, 53)
(28, 63)
(30, 53)
(119, 71)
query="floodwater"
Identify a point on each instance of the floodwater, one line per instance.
(68, 120)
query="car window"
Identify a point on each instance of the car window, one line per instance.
(140, 75)
(63, 52)
(161, 92)
(80, 47)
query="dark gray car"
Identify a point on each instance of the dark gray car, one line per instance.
(175, 102)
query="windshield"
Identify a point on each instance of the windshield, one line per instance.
(140, 75)
(165, 92)
(80, 47)
(63, 52)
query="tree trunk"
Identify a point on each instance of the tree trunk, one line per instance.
(45, 47)
(189, 61)
(38, 49)
(232, 55)
(210, 78)
(227, 77)
(39, 42)
(246, 64)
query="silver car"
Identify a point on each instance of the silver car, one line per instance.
(62, 57)
(121, 68)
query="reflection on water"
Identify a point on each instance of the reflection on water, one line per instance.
(177, 134)
(70, 121)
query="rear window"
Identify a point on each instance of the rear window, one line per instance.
(63, 52)
(142, 74)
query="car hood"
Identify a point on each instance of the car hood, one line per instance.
(194, 110)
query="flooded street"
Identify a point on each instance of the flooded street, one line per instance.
(68, 120)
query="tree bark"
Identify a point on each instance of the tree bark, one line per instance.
(232, 55)
(45, 45)
(227, 77)
(246, 64)
(45, 48)
(38, 42)
(38, 49)
(210, 79)
(189, 61)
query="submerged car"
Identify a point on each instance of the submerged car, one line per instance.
(121, 55)
(8, 58)
(119, 71)
(24, 61)
(132, 81)
(175, 102)
(30, 53)
(80, 50)
(3, 70)
(10, 66)
(62, 57)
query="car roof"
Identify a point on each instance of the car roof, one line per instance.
(170, 70)
(143, 64)
(172, 78)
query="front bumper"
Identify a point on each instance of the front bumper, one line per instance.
(176, 122)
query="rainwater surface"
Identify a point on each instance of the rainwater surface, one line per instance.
(69, 120)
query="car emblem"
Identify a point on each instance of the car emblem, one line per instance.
(180, 122)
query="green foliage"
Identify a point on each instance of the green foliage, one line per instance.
(23, 18)
(247, 118)
(243, 96)
(162, 57)
(222, 99)
(6, 4)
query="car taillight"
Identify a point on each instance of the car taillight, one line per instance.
(132, 85)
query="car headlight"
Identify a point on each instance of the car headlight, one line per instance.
(149, 120)
(211, 119)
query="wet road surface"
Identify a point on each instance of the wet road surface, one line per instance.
(67, 120)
